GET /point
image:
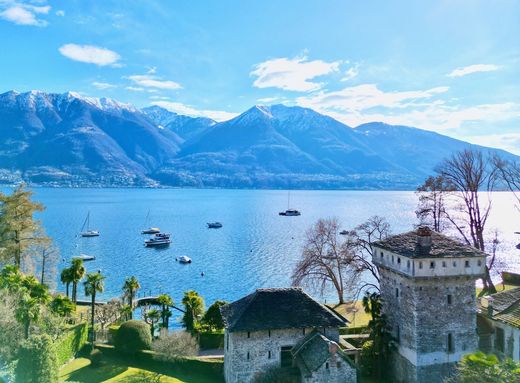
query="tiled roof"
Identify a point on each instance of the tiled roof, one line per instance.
(502, 300)
(441, 246)
(511, 315)
(271, 309)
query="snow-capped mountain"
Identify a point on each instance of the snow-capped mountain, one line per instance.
(70, 139)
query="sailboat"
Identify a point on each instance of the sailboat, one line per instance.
(88, 232)
(289, 212)
(150, 230)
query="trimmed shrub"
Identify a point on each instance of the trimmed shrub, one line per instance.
(71, 342)
(37, 361)
(208, 340)
(133, 336)
(112, 331)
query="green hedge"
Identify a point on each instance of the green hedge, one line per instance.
(133, 336)
(69, 344)
(354, 330)
(208, 341)
(112, 331)
(211, 367)
(37, 361)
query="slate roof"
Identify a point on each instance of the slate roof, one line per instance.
(312, 351)
(280, 308)
(442, 246)
(507, 303)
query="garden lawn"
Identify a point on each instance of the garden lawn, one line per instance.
(354, 312)
(112, 370)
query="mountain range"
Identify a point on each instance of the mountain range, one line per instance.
(71, 140)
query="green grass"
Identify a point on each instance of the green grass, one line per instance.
(499, 287)
(112, 370)
(354, 312)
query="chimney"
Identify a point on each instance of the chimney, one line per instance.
(424, 238)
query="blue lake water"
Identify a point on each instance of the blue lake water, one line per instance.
(255, 248)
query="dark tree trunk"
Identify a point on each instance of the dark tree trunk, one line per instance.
(92, 318)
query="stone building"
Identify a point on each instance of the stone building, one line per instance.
(499, 324)
(427, 283)
(283, 328)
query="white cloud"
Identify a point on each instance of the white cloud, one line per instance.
(365, 96)
(151, 81)
(90, 54)
(351, 72)
(292, 74)
(103, 85)
(506, 141)
(24, 14)
(60, 13)
(180, 108)
(459, 72)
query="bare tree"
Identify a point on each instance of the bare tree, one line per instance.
(374, 229)
(509, 172)
(106, 314)
(431, 210)
(327, 260)
(471, 174)
(178, 344)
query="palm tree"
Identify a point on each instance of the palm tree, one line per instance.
(166, 302)
(77, 271)
(66, 278)
(152, 317)
(28, 311)
(194, 305)
(130, 288)
(94, 284)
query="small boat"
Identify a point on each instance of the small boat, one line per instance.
(88, 232)
(290, 212)
(343, 232)
(84, 257)
(214, 225)
(151, 230)
(184, 259)
(518, 246)
(159, 239)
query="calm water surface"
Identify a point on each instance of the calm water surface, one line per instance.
(255, 248)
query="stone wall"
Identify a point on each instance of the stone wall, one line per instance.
(244, 356)
(420, 317)
(335, 370)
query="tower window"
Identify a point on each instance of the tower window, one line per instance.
(408, 264)
(303, 331)
(327, 365)
(392, 259)
(443, 263)
(398, 260)
(248, 334)
(479, 263)
(248, 356)
(382, 255)
(420, 265)
(269, 354)
(432, 265)
(449, 299)
(269, 333)
(454, 263)
(466, 264)
(450, 343)
(397, 293)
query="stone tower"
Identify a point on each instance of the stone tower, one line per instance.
(428, 291)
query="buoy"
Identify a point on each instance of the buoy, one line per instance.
(202, 274)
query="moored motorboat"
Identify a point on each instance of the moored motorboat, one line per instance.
(184, 259)
(343, 232)
(84, 257)
(159, 239)
(214, 225)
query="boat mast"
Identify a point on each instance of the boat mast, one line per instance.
(288, 200)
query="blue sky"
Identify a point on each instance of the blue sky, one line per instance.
(448, 66)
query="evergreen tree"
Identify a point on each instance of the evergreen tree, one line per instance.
(194, 308)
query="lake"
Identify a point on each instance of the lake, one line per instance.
(255, 248)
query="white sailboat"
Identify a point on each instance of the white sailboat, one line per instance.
(289, 212)
(88, 232)
(150, 230)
